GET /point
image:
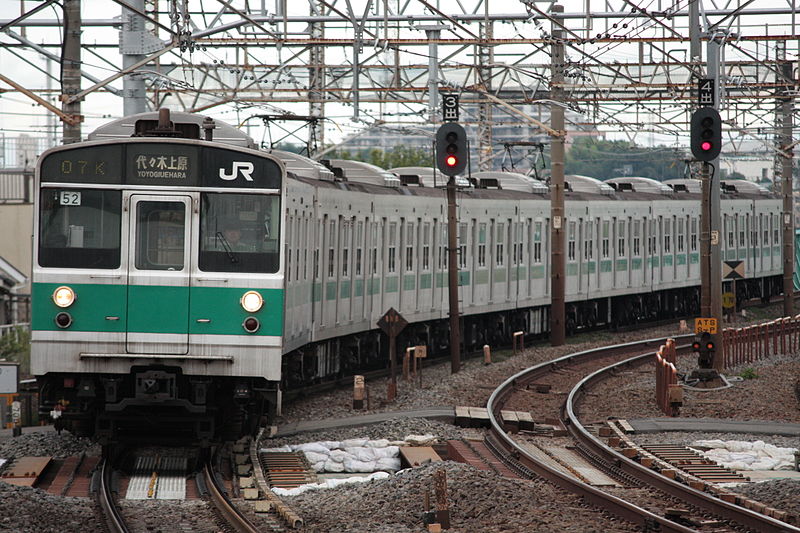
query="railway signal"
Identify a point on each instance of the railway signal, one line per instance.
(451, 149)
(704, 347)
(706, 134)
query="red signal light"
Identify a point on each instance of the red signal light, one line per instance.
(451, 160)
(696, 346)
(710, 346)
(706, 146)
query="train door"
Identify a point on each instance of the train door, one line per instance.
(158, 274)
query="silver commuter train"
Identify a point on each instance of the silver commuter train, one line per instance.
(356, 240)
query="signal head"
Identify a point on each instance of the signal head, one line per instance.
(451, 149)
(706, 134)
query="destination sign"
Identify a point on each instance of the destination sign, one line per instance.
(89, 164)
(161, 165)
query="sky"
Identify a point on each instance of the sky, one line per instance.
(21, 116)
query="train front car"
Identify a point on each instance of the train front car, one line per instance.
(158, 286)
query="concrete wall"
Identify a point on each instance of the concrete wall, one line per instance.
(16, 237)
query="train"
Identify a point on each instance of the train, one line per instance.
(185, 279)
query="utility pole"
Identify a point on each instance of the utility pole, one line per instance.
(433, 31)
(787, 160)
(483, 72)
(135, 42)
(71, 69)
(713, 54)
(557, 222)
(452, 276)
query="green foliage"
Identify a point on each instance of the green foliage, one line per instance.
(610, 159)
(749, 373)
(15, 346)
(400, 156)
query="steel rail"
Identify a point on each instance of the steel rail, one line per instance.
(698, 498)
(522, 460)
(105, 498)
(226, 508)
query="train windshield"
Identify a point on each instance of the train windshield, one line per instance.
(79, 228)
(239, 233)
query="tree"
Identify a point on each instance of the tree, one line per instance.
(608, 159)
(15, 346)
(401, 156)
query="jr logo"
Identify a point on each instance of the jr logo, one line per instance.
(245, 167)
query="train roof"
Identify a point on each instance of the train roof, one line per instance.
(639, 184)
(587, 184)
(512, 181)
(190, 124)
(302, 165)
(426, 177)
(361, 172)
(734, 188)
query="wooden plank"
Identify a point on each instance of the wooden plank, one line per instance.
(525, 420)
(626, 427)
(411, 456)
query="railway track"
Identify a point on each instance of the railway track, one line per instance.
(706, 511)
(222, 509)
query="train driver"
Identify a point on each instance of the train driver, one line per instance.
(232, 232)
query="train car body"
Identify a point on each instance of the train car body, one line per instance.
(157, 266)
(146, 311)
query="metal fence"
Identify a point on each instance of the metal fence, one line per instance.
(16, 185)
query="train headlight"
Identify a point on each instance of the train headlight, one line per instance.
(252, 301)
(63, 296)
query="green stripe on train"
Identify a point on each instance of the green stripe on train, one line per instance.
(157, 309)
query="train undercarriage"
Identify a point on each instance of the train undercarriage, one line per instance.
(157, 400)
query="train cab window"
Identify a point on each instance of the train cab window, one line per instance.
(160, 241)
(79, 228)
(239, 233)
(679, 235)
(637, 238)
(621, 238)
(605, 239)
(667, 236)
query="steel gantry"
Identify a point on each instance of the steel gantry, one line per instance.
(630, 66)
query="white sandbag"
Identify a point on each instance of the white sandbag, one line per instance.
(362, 453)
(764, 463)
(758, 446)
(380, 443)
(331, 444)
(735, 465)
(339, 456)
(389, 465)
(314, 457)
(311, 447)
(715, 443)
(353, 443)
(352, 465)
(333, 466)
(420, 440)
(318, 467)
(784, 465)
(387, 453)
(743, 457)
